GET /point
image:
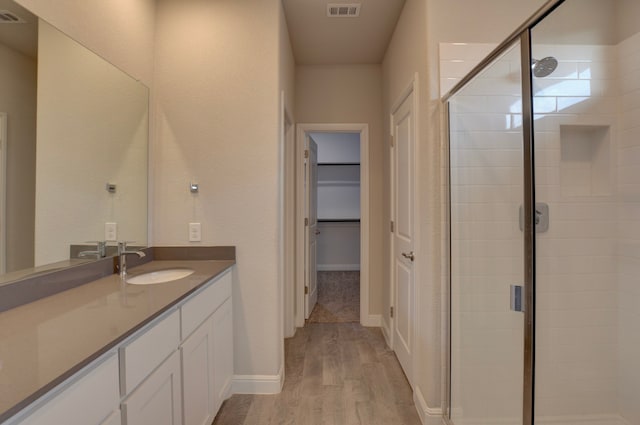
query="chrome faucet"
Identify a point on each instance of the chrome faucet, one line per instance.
(100, 252)
(122, 255)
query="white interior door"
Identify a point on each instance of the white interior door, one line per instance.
(403, 236)
(311, 201)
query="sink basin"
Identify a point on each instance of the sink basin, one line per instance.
(159, 276)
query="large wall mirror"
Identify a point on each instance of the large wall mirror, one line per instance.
(73, 145)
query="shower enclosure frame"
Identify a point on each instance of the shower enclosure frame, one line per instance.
(523, 35)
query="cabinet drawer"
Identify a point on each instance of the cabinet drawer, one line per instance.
(203, 304)
(88, 401)
(142, 355)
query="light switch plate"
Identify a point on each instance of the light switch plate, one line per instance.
(194, 232)
(110, 232)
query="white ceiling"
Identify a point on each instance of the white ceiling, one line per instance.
(320, 40)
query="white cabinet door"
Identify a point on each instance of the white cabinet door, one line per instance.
(197, 376)
(114, 419)
(88, 401)
(222, 352)
(157, 401)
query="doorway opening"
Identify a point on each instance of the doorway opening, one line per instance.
(332, 223)
(338, 227)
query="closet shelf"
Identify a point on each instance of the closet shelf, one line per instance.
(339, 163)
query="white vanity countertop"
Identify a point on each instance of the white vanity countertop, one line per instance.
(46, 341)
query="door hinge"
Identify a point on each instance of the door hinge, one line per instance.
(306, 153)
(391, 311)
(306, 221)
(392, 227)
(391, 141)
(306, 290)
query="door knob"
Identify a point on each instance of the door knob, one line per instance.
(317, 232)
(409, 255)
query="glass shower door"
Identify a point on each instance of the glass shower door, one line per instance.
(587, 153)
(487, 245)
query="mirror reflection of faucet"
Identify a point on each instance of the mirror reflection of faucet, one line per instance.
(122, 257)
(100, 251)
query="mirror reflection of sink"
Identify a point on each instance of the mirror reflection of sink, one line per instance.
(159, 276)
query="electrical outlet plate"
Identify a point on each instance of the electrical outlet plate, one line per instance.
(110, 232)
(194, 232)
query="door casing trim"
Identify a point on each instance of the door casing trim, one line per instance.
(301, 131)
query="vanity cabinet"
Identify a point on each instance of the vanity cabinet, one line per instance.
(207, 353)
(188, 388)
(177, 370)
(97, 393)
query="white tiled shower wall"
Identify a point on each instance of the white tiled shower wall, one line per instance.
(588, 262)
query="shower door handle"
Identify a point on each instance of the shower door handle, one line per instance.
(517, 301)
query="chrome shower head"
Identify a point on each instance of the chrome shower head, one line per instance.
(544, 67)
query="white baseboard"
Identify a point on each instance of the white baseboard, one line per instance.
(227, 389)
(372, 321)
(386, 331)
(338, 267)
(258, 384)
(551, 420)
(428, 415)
(582, 419)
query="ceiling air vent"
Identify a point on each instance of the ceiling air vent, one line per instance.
(8, 17)
(343, 10)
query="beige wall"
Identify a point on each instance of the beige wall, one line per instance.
(92, 128)
(487, 21)
(407, 55)
(119, 30)
(414, 49)
(216, 83)
(352, 94)
(18, 101)
(287, 231)
(287, 74)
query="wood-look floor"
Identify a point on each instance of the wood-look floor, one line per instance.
(338, 298)
(336, 373)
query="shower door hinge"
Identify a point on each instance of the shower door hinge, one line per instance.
(306, 153)
(392, 226)
(306, 290)
(391, 312)
(306, 221)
